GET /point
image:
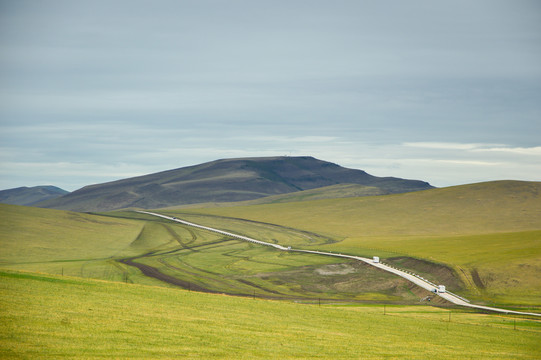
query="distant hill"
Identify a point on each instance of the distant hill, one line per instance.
(480, 208)
(327, 192)
(30, 195)
(226, 180)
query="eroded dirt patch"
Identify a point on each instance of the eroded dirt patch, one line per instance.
(437, 273)
(352, 279)
(477, 279)
(335, 269)
(152, 272)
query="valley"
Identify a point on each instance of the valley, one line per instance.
(488, 235)
(482, 241)
(439, 234)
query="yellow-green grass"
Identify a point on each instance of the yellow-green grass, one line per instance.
(49, 238)
(70, 243)
(326, 192)
(216, 263)
(136, 248)
(503, 206)
(489, 233)
(53, 317)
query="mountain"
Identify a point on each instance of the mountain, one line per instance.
(30, 195)
(225, 180)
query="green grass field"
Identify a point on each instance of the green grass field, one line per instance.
(489, 234)
(483, 240)
(136, 248)
(54, 317)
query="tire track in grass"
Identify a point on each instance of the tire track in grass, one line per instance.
(217, 278)
(455, 299)
(179, 239)
(153, 272)
(312, 237)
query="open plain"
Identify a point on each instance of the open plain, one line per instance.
(79, 284)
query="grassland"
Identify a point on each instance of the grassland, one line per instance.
(326, 192)
(136, 248)
(211, 262)
(54, 317)
(52, 240)
(489, 234)
(482, 240)
(490, 244)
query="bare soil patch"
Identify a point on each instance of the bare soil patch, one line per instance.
(477, 279)
(437, 273)
(335, 269)
(152, 272)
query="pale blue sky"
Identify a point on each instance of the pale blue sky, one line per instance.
(93, 91)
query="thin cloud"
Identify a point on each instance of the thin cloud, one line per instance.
(446, 145)
(533, 151)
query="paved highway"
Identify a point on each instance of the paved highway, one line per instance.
(417, 280)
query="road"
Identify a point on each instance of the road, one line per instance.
(417, 280)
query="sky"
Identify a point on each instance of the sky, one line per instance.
(447, 92)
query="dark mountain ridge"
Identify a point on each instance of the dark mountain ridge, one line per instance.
(29, 196)
(225, 180)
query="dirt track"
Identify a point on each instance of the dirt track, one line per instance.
(152, 272)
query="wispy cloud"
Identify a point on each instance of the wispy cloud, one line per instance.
(533, 151)
(447, 145)
(477, 147)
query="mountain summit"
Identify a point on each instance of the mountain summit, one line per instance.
(224, 180)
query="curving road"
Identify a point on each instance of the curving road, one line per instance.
(417, 280)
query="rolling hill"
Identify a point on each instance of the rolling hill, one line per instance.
(226, 180)
(488, 233)
(29, 196)
(481, 240)
(131, 247)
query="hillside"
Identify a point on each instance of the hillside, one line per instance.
(44, 239)
(30, 195)
(225, 181)
(326, 192)
(137, 248)
(499, 206)
(489, 233)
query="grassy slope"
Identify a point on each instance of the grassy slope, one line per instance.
(93, 246)
(52, 317)
(490, 229)
(326, 192)
(45, 235)
(492, 242)
(221, 264)
(56, 241)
